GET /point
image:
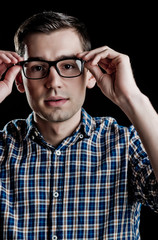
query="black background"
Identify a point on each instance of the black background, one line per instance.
(129, 27)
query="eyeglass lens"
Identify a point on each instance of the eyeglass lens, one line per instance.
(40, 69)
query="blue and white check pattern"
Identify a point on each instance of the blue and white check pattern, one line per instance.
(90, 187)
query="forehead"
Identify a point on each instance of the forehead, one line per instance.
(51, 46)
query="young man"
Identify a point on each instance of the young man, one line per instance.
(63, 174)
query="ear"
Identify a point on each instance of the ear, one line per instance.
(91, 81)
(19, 83)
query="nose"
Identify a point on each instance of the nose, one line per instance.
(53, 80)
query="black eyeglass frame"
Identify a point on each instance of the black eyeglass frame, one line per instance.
(50, 63)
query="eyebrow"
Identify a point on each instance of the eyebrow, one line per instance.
(58, 58)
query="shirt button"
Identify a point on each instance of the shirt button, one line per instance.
(56, 194)
(54, 237)
(81, 136)
(33, 138)
(58, 153)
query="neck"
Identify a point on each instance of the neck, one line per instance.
(55, 132)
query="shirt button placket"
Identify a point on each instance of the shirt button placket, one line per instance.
(55, 194)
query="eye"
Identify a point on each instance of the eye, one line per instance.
(68, 66)
(37, 68)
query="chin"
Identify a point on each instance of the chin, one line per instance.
(55, 117)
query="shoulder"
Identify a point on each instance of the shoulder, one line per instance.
(106, 126)
(15, 129)
(109, 129)
(110, 124)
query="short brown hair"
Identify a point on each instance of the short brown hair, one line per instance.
(47, 22)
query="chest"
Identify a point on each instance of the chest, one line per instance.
(79, 185)
(77, 170)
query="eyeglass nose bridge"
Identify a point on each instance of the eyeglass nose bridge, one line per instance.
(53, 64)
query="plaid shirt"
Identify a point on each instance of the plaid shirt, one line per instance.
(90, 187)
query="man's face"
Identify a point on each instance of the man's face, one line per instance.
(55, 98)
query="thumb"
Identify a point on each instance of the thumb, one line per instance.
(95, 70)
(104, 80)
(7, 84)
(8, 79)
(10, 75)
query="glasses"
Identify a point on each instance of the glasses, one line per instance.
(38, 69)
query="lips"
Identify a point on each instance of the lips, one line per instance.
(55, 101)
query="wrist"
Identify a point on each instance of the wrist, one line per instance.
(134, 105)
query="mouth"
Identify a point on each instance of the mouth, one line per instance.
(55, 101)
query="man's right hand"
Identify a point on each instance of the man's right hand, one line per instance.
(8, 59)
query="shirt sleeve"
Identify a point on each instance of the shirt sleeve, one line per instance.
(2, 147)
(142, 181)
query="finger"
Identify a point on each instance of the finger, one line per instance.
(96, 55)
(105, 55)
(14, 58)
(95, 70)
(82, 54)
(91, 54)
(3, 68)
(11, 74)
(9, 57)
(4, 58)
(107, 67)
(7, 84)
